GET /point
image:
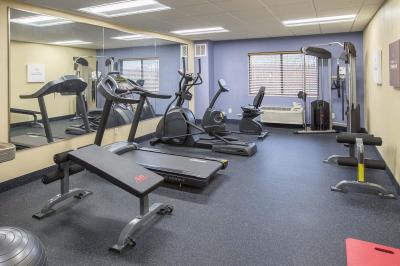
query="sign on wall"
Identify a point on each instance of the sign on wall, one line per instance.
(36, 73)
(377, 66)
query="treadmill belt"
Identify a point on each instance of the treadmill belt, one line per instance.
(30, 141)
(177, 169)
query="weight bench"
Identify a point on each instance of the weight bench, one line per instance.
(350, 140)
(361, 163)
(35, 122)
(122, 173)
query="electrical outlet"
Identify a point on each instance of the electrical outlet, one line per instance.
(116, 131)
(333, 115)
(230, 111)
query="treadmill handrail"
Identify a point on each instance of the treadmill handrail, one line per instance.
(74, 84)
(139, 90)
(111, 95)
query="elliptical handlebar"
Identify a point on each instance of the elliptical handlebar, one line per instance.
(137, 89)
(184, 85)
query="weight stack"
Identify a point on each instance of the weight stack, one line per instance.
(320, 115)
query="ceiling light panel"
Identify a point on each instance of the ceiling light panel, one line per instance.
(131, 37)
(70, 42)
(125, 8)
(321, 20)
(200, 31)
(40, 21)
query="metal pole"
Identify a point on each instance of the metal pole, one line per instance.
(304, 92)
(82, 109)
(103, 122)
(144, 205)
(136, 118)
(330, 92)
(45, 119)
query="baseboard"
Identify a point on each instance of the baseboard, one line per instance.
(27, 123)
(25, 179)
(389, 173)
(28, 178)
(278, 125)
(145, 138)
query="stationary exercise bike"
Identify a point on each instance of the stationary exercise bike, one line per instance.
(213, 121)
(247, 124)
(178, 125)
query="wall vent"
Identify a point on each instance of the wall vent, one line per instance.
(200, 50)
(184, 51)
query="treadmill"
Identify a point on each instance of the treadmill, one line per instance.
(65, 85)
(190, 170)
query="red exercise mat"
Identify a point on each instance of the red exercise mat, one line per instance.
(362, 253)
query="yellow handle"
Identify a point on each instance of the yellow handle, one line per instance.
(361, 173)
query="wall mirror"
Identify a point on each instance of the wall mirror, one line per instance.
(48, 53)
(45, 98)
(151, 62)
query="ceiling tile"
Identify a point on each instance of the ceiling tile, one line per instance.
(244, 18)
(306, 30)
(336, 27)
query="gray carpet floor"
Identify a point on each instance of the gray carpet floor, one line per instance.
(274, 208)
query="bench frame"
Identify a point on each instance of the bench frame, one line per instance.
(360, 182)
(132, 228)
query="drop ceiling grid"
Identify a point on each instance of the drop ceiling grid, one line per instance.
(244, 18)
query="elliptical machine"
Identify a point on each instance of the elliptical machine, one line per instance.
(178, 125)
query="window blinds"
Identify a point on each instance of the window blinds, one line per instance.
(146, 69)
(283, 74)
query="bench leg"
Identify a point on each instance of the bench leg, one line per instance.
(125, 238)
(343, 186)
(65, 194)
(333, 159)
(48, 210)
(35, 123)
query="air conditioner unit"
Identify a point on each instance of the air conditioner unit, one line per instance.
(292, 115)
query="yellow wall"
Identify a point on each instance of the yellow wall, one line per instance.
(38, 158)
(382, 102)
(58, 61)
(31, 160)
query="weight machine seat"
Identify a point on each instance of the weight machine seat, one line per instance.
(368, 163)
(119, 171)
(350, 138)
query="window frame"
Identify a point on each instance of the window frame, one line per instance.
(141, 59)
(281, 68)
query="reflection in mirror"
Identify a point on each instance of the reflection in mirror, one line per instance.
(150, 63)
(53, 63)
(169, 55)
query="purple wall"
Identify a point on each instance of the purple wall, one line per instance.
(169, 65)
(204, 92)
(230, 62)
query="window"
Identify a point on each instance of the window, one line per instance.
(146, 69)
(283, 73)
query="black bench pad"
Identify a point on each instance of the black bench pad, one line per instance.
(120, 171)
(350, 138)
(368, 163)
